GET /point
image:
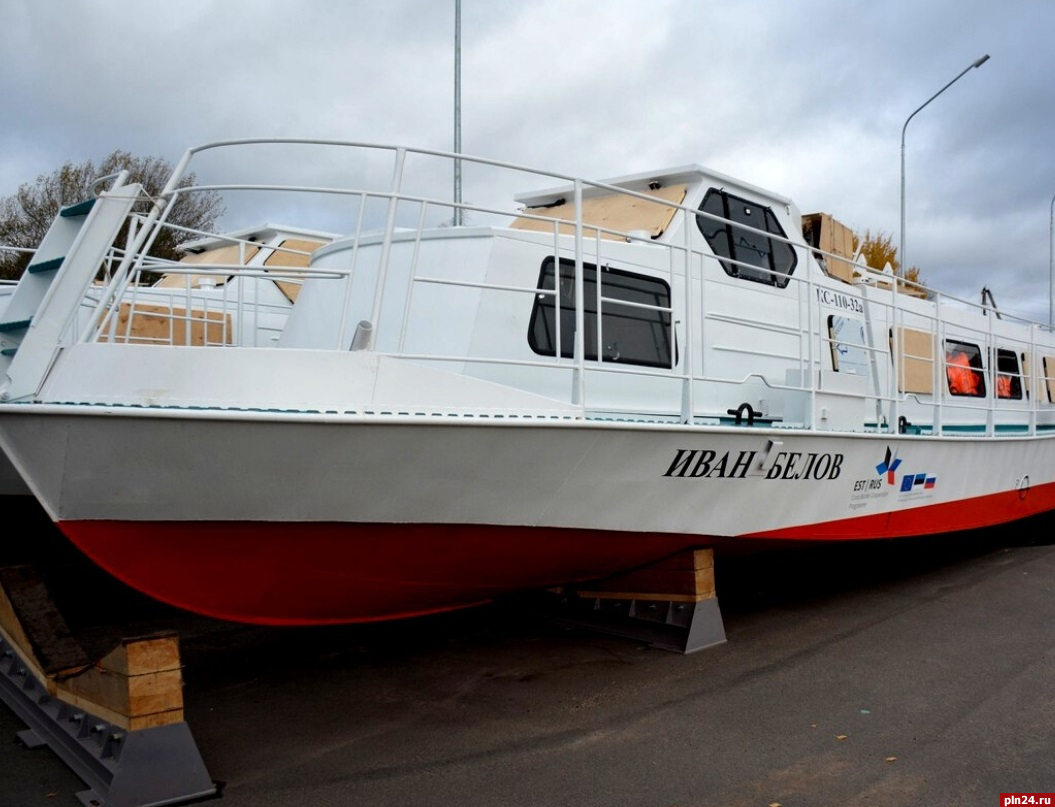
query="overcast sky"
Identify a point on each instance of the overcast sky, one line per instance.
(807, 99)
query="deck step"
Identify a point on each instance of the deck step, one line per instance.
(50, 294)
(45, 266)
(15, 325)
(79, 209)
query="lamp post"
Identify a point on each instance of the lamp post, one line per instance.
(458, 217)
(901, 250)
(1051, 264)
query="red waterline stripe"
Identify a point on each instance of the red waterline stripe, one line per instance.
(932, 519)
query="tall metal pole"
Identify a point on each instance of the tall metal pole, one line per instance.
(1051, 264)
(901, 250)
(457, 111)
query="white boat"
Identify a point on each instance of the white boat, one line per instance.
(429, 432)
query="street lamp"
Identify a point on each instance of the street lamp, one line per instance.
(901, 250)
(1051, 264)
(459, 214)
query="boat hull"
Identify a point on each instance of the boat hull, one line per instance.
(11, 482)
(296, 519)
(308, 573)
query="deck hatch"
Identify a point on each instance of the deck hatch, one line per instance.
(746, 254)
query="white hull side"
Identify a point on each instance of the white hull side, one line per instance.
(11, 482)
(152, 465)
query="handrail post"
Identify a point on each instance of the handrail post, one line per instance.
(897, 360)
(813, 331)
(1029, 373)
(993, 392)
(940, 372)
(135, 251)
(386, 250)
(688, 397)
(579, 384)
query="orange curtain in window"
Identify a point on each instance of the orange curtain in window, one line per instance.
(963, 379)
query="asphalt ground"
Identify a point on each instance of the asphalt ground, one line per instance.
(914, 672)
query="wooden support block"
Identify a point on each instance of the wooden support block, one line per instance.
(685, 577)
(139, 684)
(645, 596)
(100, 697)
(694, 559)
(147, 654)
(698, 584)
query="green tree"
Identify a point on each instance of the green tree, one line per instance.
(26, 215)
(878, 250)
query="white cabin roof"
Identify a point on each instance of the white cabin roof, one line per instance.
(695, 176)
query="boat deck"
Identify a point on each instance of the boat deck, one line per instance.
(901, 673)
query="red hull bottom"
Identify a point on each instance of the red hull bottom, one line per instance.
(325, 573)
(311, 573)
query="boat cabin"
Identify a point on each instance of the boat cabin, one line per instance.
(674, 296)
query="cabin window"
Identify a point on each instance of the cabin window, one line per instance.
(847, 339)
(1008, 375)
(963, 368)
(757, 257)
(635, 320)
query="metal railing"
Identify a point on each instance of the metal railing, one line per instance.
(392, 215)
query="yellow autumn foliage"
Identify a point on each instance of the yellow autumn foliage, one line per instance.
(878, 250)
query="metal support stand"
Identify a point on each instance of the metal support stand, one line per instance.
(151, 766)
(671, 605)
(141, 754)
(683, 627)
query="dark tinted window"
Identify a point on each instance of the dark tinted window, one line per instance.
(1008, 375)
(635, 320)
(758, 257)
